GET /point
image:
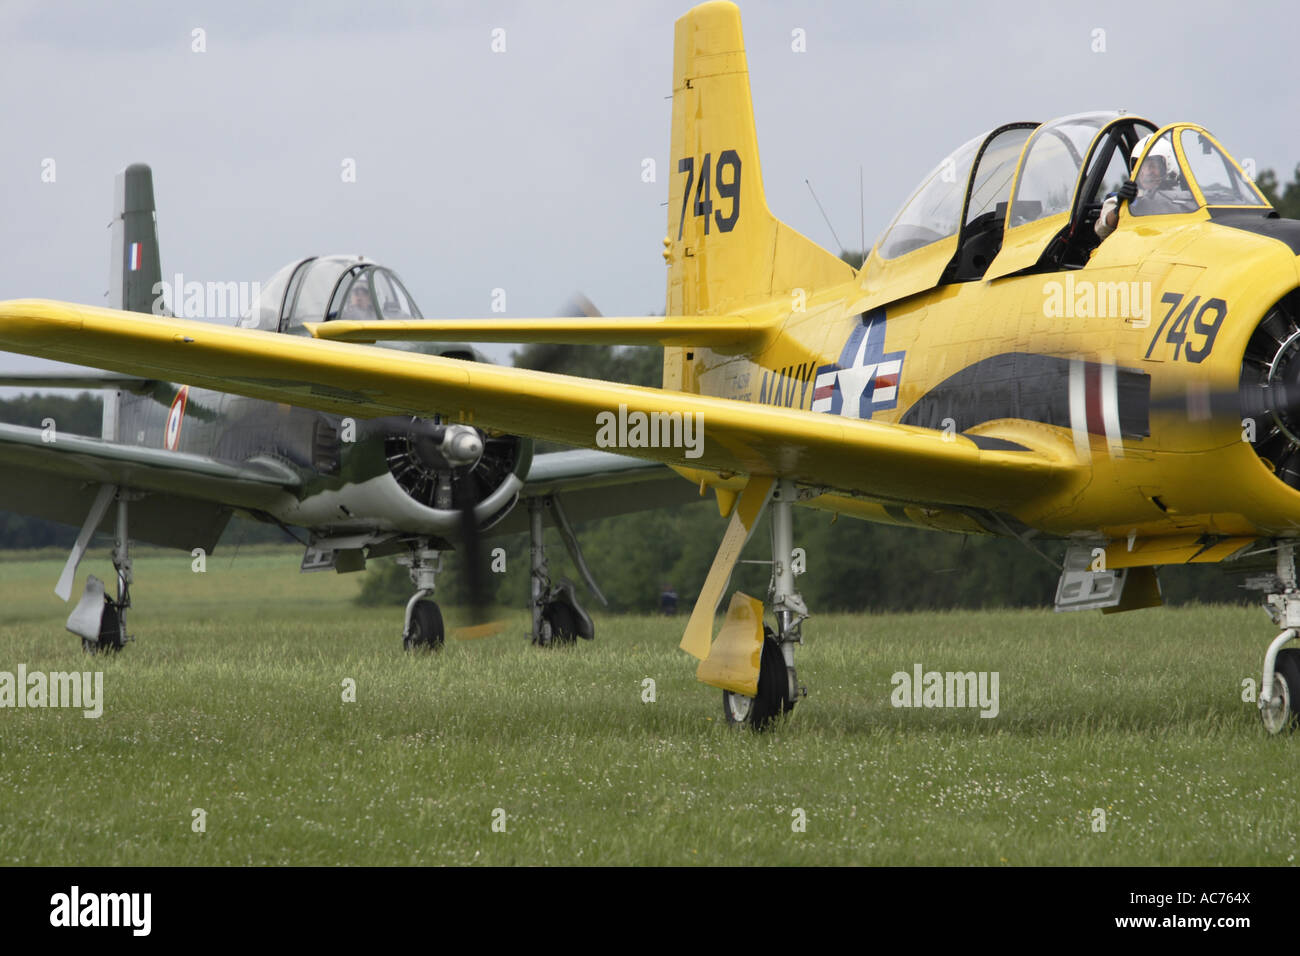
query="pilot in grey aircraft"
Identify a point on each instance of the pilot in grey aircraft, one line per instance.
(174, 463)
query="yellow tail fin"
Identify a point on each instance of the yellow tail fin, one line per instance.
(725, 250)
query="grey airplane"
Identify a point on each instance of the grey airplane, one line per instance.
(173, 464)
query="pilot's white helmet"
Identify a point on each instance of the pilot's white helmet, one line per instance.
(1161, 149)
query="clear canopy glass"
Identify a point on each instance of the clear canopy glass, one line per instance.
(934, 211)
(991, 184)
(1216, 175)
(1053, 161)
(326, 288)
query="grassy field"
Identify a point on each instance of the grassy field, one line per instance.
(231, 701)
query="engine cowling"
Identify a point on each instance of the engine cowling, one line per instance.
(431, 475)
(411, 476)
(1270, 389)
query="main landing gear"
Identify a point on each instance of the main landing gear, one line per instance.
(99, 620)
(778, 685)
(558, 619)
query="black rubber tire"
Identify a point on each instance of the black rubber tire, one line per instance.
(773, 697)
(1287, 670)
(110, 633)
(564, 626)
(427, 633)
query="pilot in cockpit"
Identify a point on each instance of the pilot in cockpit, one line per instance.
(1154, 192)
(358, 305)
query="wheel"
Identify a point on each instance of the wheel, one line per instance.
(1279, 714)
(563, 622)
(426, 632)
(773, 698)
(110, 633)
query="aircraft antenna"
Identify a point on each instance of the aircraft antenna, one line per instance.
(862, 215)
(824, 216)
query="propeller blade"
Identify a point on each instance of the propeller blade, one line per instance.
(558, 358)
(480, 594)
(580, 305)
(1202, 403)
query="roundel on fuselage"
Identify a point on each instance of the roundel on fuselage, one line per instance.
(175, 417)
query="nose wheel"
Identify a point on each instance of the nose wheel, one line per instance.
(425, 631)
(1279, 693)
(1278, 712)
(423, 628)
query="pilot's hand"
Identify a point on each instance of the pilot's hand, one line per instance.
(1128, 191)
(1108, 218)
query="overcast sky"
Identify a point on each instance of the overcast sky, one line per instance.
(522, 170)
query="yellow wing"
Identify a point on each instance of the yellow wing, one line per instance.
(879, 460)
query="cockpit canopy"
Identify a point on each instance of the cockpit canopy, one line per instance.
(1167, 184)
(934, 211)
(323, 288)
(1025, 197)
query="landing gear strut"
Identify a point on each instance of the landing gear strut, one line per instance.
(1279, 694)
(100, 621)
(112, 632)
(778, 685)
(558, 618)
(423, 628)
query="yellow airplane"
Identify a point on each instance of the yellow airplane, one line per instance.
(995, 366)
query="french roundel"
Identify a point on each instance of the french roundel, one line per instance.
(172, 436)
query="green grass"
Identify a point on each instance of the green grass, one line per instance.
(231, 701)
